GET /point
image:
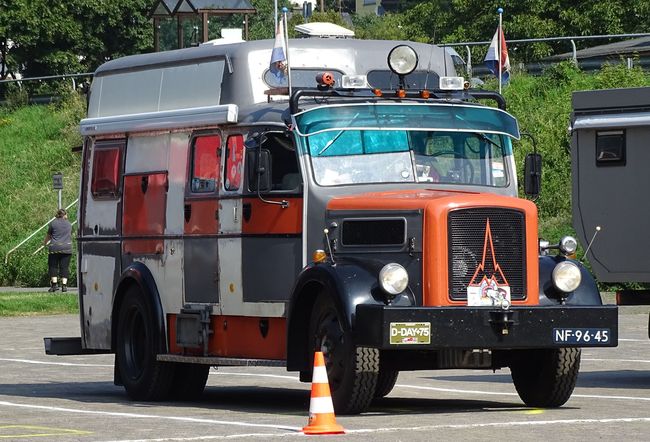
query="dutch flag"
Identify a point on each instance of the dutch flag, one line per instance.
(279, 55)
(492, 59)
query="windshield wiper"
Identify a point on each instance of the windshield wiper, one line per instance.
(485, 138)
(337, 136)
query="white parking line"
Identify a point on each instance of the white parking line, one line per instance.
(149, 416)
(406, 429)
(643, 361)
(66, 364)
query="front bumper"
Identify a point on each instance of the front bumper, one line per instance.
(487, 327)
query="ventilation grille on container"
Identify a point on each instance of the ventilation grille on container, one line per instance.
(506, 241)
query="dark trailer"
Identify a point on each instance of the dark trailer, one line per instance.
(610, 153)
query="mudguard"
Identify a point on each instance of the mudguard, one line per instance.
(137, 273)
(587, 292)
(350, 283)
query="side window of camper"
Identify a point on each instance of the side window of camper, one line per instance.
(234, 159)
(610, 148)
(107, 160)
(206, 161)
(285, 173)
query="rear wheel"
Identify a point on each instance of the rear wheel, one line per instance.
(351, 371)
(546, 378)
(189, 381)
(143, 377)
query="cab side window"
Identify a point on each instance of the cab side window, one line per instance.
(234, 160)
(205, 164)
(285, 173)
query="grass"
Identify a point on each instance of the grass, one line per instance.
(33, 303)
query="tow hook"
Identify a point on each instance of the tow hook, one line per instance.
(502, 320)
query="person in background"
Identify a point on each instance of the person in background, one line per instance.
(59, 237)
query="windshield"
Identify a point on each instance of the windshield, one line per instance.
(464, 154)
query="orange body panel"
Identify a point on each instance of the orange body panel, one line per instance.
(272, 218)
(436, 206)
(240, 337)
(203, 217)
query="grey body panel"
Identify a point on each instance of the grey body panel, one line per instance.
(270, 267)
(612, 197)
(201, 268)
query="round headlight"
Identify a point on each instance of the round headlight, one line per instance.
(402, 60)
(566, 276)
(393, 278)
(568, 245)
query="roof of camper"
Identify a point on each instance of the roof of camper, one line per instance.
(373, 52)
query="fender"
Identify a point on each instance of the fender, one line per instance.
(137, 273)
(349, 282)
(587, 292)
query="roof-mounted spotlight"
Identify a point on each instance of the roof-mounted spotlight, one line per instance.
(402, 60)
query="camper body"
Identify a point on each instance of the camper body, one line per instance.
(609, 135)
(224, 223)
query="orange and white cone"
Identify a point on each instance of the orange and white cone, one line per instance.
(321, 408)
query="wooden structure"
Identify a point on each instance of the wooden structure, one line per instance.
(182, 9)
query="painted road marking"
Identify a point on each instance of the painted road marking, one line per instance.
(66, 364)
(149, 416)
(403, 429)
(36, 431)
(644, 361)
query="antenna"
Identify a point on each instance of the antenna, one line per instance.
(426, 79)
(591, 242)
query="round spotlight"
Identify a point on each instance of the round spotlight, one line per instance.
(393, 278)
(402, 60)
(566, 276)
(568, 245)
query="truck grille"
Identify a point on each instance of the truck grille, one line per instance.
(468, 237)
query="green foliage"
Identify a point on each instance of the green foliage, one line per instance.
(35, 142)
(30, 304)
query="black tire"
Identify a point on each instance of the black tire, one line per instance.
(143, 377)
(385, 382)
(189, 381)
(351, 371)
(546, 378)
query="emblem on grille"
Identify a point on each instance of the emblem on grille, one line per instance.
(488, 286)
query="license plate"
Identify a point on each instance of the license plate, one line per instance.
(581, 336)
(410, 333)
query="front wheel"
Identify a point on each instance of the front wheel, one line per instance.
(351, 371)
(144, 377)
(546, 378)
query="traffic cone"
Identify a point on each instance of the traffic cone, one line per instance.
(321, 408)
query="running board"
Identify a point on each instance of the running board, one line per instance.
(68, 346)
(224, 362)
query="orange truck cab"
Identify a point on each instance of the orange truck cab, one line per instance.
(228, 218)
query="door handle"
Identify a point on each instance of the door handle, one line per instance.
(188, 212)
(246, 211)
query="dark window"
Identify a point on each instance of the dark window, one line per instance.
(610, 148)
(373, 232)
(386, 79)
(234, 159)
(107, 157)
(205, 164)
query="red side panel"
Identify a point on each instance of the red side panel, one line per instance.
(240, 337)
(271, 218)
(143, 212)
(201, 216)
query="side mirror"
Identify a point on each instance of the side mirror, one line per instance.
(259, 169)
(533, 175)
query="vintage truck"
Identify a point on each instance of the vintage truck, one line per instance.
(370, 211)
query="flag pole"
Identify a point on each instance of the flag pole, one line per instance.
(499, 48)
(286, 45)
(275, 16)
